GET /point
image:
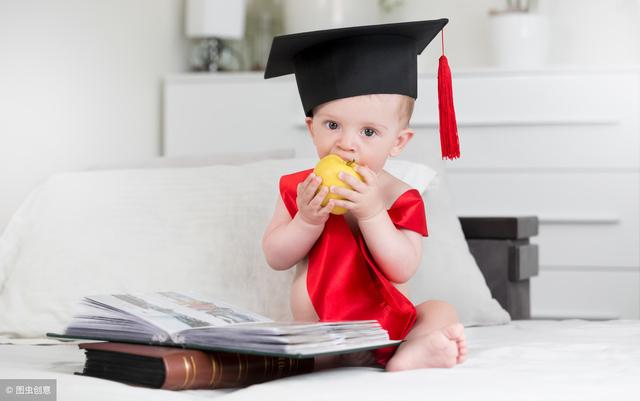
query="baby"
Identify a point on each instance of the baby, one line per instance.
(358, 86)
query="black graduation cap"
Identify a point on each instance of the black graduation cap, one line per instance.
(344, 62)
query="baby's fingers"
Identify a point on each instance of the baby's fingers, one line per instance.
(328, 208)
(355, 183)
(308, 190)
(303, 185)
(319, 197)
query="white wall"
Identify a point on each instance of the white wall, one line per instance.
(80, 84)
(582, 32)
(80, 79)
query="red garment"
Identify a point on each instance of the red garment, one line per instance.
(343, 280)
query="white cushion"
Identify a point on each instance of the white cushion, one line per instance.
(192, 228)
(232, 158)
(447, 270)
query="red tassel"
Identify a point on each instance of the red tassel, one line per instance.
(448, 126)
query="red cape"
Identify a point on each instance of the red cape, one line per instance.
(343, 280)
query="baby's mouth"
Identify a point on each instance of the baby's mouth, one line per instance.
(348, 159)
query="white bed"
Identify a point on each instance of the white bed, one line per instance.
(122, 230)
(523, 360)
(128, 230)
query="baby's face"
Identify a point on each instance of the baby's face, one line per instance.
(366, 128)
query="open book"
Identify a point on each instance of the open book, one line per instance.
(192, 321)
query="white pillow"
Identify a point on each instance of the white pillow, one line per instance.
(233, 158)
(447, 270)
(166, 229)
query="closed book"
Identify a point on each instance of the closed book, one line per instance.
(178, 368)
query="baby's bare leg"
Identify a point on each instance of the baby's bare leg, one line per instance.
(436, 340)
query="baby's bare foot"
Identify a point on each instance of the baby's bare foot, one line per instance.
(462, 348)
(442, 348)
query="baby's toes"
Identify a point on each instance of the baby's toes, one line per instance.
(462, 354)
(454, 332)
(452, 356)
(438, 341)
(444, 352)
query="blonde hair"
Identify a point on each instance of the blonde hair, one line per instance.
(405, 109)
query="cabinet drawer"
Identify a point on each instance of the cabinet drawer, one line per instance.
(586, 219)
(546, 120)
(520, 99)
(560, 120)
(586, 294)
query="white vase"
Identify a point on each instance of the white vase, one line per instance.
(519, 40)
(312, 15)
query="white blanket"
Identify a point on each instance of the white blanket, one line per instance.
(524, 360)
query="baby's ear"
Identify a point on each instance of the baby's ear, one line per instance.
(401, 141)
(309, 122)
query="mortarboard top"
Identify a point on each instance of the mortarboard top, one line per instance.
(344, 62)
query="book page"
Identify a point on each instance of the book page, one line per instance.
(289, 338)
(173, 312)
(200, 322)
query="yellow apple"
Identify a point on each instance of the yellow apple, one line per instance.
(328, 168)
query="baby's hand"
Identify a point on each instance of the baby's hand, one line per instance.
(365, 200)
(309, 202)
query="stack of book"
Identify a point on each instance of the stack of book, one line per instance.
(180, 341)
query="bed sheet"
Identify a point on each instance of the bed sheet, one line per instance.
(523, 360)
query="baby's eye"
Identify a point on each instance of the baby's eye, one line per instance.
(332, 125)
(368, 132)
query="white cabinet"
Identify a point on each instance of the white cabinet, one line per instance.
(563, 145)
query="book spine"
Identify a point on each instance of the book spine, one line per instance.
(193, 369)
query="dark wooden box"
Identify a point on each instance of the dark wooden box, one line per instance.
(506, 258)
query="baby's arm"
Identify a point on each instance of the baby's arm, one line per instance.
(396, 251)
(286, 241)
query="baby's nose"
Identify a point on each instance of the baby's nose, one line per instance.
(347, 141)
